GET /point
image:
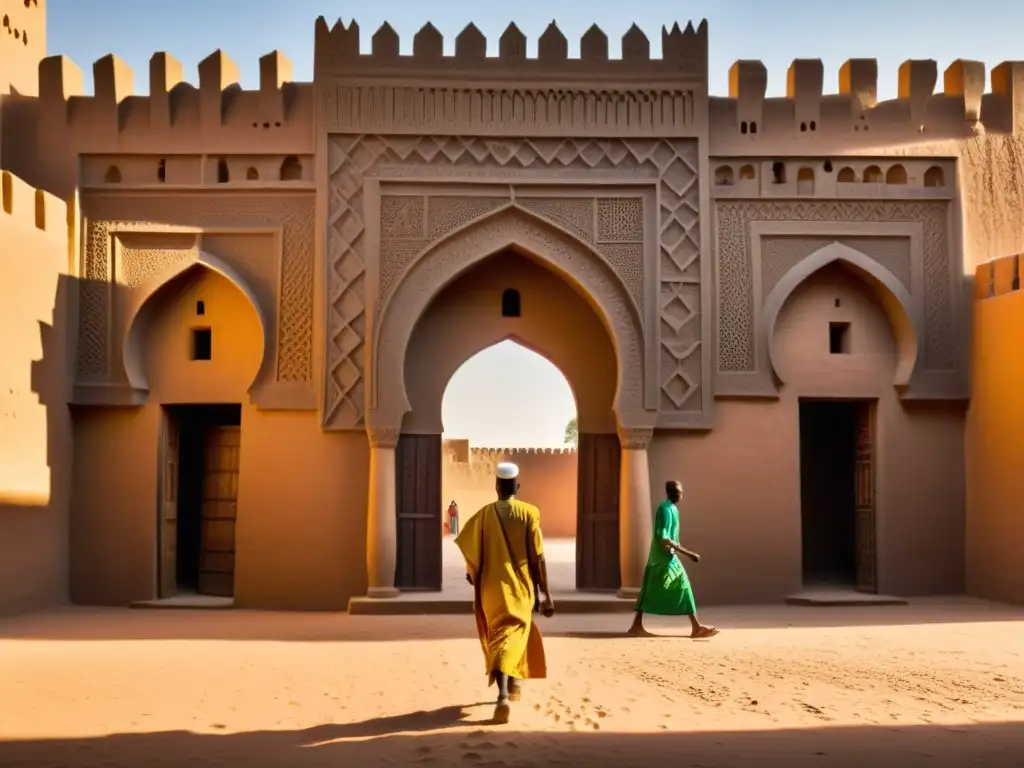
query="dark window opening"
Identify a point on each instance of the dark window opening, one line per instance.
(839, 338)
(778, 173)
(510, 303)
(839, 303)
(222, 172)
(161, 170)
(828, 166)
(202, 344)
(753, 127)
(291, 169)
(743, 127)
(200, 308)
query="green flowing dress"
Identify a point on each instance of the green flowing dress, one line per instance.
(666, 589)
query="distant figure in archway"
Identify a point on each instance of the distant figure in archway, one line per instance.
(504, 552)
(666, 590)
(453, 518)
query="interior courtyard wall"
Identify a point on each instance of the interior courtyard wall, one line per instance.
(548, 481)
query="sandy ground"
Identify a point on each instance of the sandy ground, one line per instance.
(940, 682)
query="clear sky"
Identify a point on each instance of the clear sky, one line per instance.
(532, 405)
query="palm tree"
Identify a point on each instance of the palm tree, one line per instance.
(572, 433)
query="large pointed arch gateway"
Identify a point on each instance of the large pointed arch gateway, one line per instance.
(388, 402)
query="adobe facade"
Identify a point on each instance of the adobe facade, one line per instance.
(316, 259)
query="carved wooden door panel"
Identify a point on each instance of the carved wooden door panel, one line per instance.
(418, 506)
(168, 523)
(219, 511)
(597, 512)
(864, 469)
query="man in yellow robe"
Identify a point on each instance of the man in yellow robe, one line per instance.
(504, 552)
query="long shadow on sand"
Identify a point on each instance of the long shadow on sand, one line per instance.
(428, 738)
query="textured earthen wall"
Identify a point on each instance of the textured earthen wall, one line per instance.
(300, 535)
(547, 480)
(742, 480)
(995, 437)
(35, 441)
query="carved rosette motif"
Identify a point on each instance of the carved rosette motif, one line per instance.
(635, 438)
(467, 247)
(737, 346)
(383, 437)
(294, 214)
(615, 231)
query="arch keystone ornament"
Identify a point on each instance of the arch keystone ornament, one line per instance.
(133, 348)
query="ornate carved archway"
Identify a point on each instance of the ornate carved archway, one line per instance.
(135, 327)
(621, 461)
(899, 306)
(387, 401)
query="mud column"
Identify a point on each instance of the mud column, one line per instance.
(381, 516)
(636, 523)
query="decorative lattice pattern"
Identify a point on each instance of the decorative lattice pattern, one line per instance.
(573, 214)
(620, 220)
(781, 254)
(401, 216)
(447, 214)
(736, 324)
(294, 214)
(672, 163)
(145, 257)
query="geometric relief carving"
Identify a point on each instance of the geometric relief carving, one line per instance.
(671, 164)
(736, 322)
(151, 241)
(145, 255)
(620, 238)
(468, 247)
(779, 254)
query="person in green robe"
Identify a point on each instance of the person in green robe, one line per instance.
(666, 590)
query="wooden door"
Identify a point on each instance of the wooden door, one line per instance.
(219, 508)
(418, 506)
(864, 470)
(168, 504)
(597, 512)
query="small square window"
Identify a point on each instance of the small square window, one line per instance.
(839, 338)
(202, 344)
(200, 308)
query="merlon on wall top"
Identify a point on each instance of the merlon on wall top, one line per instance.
(684, 53)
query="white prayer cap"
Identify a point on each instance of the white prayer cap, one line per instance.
(506, 470)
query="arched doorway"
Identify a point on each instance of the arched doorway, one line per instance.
(194, 345)
(510, 403)
(557, 323)
(405, 429)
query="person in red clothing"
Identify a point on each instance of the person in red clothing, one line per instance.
(453, 518)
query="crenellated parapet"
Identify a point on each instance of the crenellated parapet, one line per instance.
(218, 116)
(997, 277)
(684, 53)
(550, 94)
(497, 454)
(852, 118)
